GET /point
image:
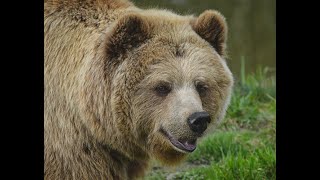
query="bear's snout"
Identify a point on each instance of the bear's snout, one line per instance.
(198, 122)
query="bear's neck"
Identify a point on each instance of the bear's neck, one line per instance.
(73, 152)
(91, 160)
(133, 168)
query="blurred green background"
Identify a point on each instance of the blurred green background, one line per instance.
(252, 27)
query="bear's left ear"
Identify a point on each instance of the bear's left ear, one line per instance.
(129, 32)
(212, 27)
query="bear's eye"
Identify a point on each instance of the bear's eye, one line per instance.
(163, 89)
(202, 89)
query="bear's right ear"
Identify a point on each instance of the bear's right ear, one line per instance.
(129, 32)
(212, 27)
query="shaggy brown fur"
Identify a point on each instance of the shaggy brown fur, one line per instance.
(103, 60)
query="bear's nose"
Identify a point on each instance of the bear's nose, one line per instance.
(198, 122)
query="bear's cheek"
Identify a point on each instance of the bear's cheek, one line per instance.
(212, 102)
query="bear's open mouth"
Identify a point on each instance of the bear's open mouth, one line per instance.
(182, 144)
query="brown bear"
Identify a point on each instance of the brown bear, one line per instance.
(124, 85)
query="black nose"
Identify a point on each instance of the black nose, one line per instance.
(198, 121)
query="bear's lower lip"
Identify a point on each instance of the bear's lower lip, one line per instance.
(184, 145)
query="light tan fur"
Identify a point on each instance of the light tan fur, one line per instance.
(103, 59)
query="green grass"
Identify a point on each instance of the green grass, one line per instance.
(244, 145)
(259, 164)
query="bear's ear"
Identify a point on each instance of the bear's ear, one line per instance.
(129, 32)
(212, 27)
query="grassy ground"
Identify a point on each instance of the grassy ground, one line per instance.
(244, 145)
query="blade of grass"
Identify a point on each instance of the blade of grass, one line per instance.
(242, 71)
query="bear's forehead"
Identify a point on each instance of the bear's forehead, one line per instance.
(187, 61)
(181, 41)
(183, 51)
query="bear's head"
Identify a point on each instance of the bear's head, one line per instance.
(168, 81)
